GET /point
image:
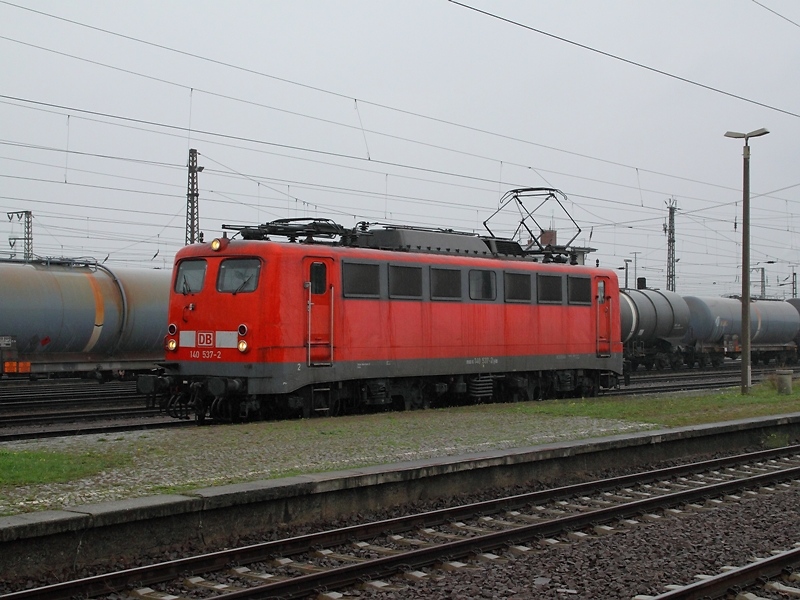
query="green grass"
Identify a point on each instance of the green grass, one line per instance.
(298, 446)
(25, 467)
(676, 409)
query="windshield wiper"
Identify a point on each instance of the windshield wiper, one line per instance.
(244, 283)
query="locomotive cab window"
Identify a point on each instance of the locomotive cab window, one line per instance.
(445, 284)
(238, 275)
(405, 282)
(190, 276)
(549, 289)
(319, 278)
(601, 292)
(361, 280)
(579, 290)
(517, 287)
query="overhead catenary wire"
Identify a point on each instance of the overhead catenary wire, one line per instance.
(349, 97)
(627, 60)
(228, 192)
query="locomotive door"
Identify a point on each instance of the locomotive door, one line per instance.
(604, 309)
(319, 328)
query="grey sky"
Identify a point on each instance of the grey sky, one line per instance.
(414, 112)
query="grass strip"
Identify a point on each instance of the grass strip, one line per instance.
(30, 467)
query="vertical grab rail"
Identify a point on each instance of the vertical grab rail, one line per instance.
(308, 311)
(333, 296)
(309, 341)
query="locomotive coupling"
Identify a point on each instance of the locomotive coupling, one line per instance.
(152, 384)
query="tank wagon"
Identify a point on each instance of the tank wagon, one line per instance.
(715, 330)
(653, 324)
(661, 329)
(335, 320)
(795, 302)
(77, 317)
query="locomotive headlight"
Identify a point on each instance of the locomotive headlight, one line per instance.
(218, 244)
(242, 345)
(172, 345)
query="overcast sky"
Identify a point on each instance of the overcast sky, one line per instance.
(420, 112)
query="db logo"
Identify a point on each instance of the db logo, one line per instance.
(205, 338)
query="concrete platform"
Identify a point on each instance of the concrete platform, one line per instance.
(58, 543)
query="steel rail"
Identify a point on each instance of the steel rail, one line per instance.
(146, 575)
(739, 578)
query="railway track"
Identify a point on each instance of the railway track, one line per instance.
(58, 402)
(22, 390)
(26, 409)
(743, 583)
(393, 553)
(35, 409)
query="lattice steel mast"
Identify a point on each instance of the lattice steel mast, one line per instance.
(192, 201)
(670, 231)
(27, 217)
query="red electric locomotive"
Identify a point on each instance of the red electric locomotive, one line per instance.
(337, 320)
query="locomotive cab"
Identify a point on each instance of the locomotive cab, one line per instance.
(212, 323)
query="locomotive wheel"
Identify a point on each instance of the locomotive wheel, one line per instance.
(402, 403)
(588, 387)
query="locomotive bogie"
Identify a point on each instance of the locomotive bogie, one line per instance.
(411, 393)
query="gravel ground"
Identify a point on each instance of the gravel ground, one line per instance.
(163, 461)
(639, 561)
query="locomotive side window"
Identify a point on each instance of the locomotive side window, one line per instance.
(601, 292)
(319, 278)
(579, 290)
(361, 280)
(405, 282)
(191, 276)
(482, 285)
(549, 288)
(445, 284)
(517, 287)
(238, 275)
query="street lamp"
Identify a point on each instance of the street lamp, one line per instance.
(627, 262)
(635, 274)
(746, 253)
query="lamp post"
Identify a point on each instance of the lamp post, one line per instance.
(627, 262)
(746, 253)
(635, 274)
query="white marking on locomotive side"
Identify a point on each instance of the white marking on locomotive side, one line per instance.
(187, 339)
(227, 339)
